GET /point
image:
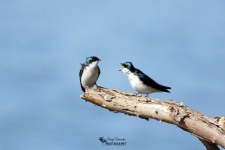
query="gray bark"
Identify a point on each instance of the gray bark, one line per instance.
(210, 131)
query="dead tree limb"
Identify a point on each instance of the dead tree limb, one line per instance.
(210, 131)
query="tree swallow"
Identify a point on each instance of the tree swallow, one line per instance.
(89, 73)
(140, 81)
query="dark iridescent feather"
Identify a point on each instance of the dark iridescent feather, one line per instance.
(80, 74)
(99, 72)
(150, 82)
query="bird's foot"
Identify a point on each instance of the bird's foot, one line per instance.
(137, 94)
(87, 88)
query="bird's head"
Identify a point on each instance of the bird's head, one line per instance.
(127, 67)
(92, 60)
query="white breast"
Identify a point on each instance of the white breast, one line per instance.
(89, 76)
(137, 84)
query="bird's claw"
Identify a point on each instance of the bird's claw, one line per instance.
(87, 88)
(137, 94)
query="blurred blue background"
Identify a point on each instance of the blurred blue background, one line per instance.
(42, 43)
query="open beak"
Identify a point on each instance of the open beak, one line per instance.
(121, 67)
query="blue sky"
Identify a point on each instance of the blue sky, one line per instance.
(178, 43)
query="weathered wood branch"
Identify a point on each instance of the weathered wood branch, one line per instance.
(210, 131)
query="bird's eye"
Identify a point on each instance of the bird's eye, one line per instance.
(90, 60)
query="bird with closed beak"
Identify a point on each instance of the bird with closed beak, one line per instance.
(89, 72)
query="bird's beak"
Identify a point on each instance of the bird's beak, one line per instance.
(121, 67)
(99, 60)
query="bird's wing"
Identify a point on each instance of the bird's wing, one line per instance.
(80, 74)
(150, 82)
(99, 72)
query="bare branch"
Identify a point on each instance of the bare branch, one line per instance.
(210, 131)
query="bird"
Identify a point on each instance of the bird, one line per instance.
(140, 82)
(89, 72)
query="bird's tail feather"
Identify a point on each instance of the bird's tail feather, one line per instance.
(165, 88)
